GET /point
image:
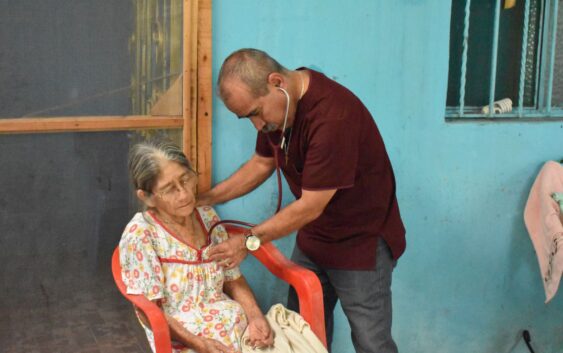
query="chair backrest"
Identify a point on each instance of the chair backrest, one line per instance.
(156, 317)
(305, 282)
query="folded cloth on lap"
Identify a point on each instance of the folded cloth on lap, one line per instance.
(292, 334)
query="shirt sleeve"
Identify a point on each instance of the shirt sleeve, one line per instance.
(263, 147)
(141, 269)
(332, 154)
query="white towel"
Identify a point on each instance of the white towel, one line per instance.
(293, 334)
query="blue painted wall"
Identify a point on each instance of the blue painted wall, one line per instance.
(469, 280)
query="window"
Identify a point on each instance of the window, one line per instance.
(109, 66)
(505, 60)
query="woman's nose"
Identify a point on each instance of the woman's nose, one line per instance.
(185, 193)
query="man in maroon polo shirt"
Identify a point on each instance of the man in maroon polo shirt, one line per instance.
(350, 231)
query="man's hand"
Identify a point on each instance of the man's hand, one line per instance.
(229, 253)
(204, 199)
(260, 334)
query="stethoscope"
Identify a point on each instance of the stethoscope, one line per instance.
(275, 148)
(282, 144)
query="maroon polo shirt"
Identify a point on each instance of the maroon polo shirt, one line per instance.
(335, 144)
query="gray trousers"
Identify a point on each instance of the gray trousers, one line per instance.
(365, 297)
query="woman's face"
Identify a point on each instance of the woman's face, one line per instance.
(174, 191)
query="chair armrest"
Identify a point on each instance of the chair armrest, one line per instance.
(154, 314)
(305, 282)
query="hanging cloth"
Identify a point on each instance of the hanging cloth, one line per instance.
(543, 219)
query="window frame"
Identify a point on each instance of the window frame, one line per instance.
(543, 109)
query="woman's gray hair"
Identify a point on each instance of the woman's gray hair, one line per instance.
(145, 161)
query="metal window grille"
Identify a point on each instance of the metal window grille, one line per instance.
(537, 93)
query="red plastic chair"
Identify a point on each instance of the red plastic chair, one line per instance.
(305, 282)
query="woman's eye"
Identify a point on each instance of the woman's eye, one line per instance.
(168, 191)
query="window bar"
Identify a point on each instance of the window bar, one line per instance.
(523, 59)
(464, 58)
(543, 9)
(553, 19)
(494, 60)
(166, 43)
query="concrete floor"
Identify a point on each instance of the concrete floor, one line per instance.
(91, 318)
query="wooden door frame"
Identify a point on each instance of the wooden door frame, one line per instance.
(195, 120)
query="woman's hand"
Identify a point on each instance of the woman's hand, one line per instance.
(209, 345)
(260, 334)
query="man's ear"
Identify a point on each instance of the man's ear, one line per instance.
(145, 197)
(276, 79)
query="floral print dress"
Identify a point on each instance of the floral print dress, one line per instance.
(158, 265)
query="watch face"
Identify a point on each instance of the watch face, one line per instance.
(252, 242)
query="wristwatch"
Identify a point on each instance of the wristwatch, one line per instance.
(252, 242)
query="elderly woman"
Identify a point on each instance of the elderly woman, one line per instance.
(164, 256)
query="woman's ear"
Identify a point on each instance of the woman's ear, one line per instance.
(145, 197)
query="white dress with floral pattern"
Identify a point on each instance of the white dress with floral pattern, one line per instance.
(189, 285)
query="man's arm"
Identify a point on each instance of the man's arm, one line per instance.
(296, 215)
(247, 178)
(291, 218)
